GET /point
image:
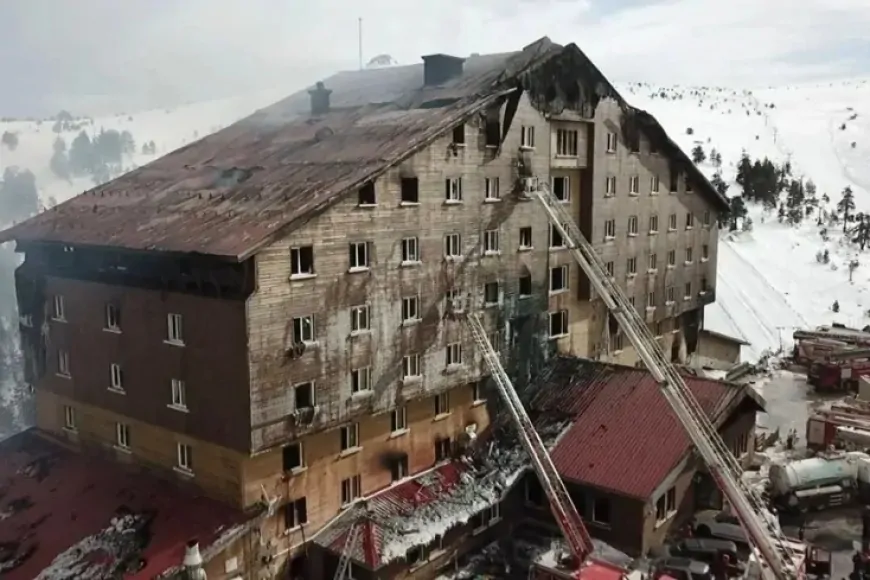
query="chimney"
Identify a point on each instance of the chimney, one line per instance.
(192, 562)
(440, 68)
(319, 99)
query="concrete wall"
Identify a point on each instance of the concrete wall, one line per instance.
(717, 351)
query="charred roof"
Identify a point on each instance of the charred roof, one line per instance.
(233, 192)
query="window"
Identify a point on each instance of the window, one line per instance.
(562, 188)
(610, 186)
(453, 300)
(631, 266)
(558, 278)
(672, 222)
(442, 449)
(59, 310)
(303, 395)
(688, 292)
(653, 224)
(741, 445)
(525, 286)
(669, 294)
(558, 324)
(491, 189)
(459, 134)
(704, 286)
(454, 353)
(69, 418)
(632, 225)
(477, 390)
(609, 229)
(608, 267)
(410, 309)
(705, 252)
(690, 221)
(442, 403)
(360, 321)
(526, 238)
(493, 127)
(651, 299)
(654, 185)
(292, 457)
(556, 239)
(453, 189)
(63, 363)
(367, 194)
(452, 246)
(527, 136)
(184, 457)
(303, 330)
(666, 506)
(653, 261)
(351, 489)
(349, 435)
(672, 258)
(399, 468)
(494, 339)
(707, 220)
(410, 366)
(616, 338)
(302, 261)
(113, 317)
(601, 510)
(361, 380)
(486, 517)
(122, 435)
(116, 377)
(566, 143)
(611, 142)
(634, 185)
(689, 255)
(490, 242)
(295, 513)
(359, 256)
(174, 329)
(398, 419)
(410, 250)
(688, 184)
(674, 182)
(410, 190)
(491, 293)
(417, 556)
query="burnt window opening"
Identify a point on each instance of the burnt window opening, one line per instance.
(525, 285)
(442, 449)
(491, 293)
(417, 555)
(291, 456)
(304, 395)
(295, 513)
(601, 510)
(534, 492)
(113, 317)
(674, 182)
(634, 144)
(410, 190)
(399, 468)
(367, 194)
(233, 176)
(302, 261)
(459, 134)
(492, 128)
(556, 239)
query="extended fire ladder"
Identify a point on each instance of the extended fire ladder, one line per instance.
(575, 533)
(761, 526)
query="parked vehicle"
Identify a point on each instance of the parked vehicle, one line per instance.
(718, 524)
(707, 550)
(683, 568)
(837, 375)
(818, 482)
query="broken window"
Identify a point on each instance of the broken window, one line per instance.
(632, 225)
(349, 435)
(291, 456)
(410, 250)
(442, 404)
(303, 330)
(113, 317)
(566, 143)
(411, 309)
(63, 363)
(59, 310)
(417, 555)
(367, 194)
(361, 380)
(674, 182)
(359, 255)
(410, 366)
(527, 136)
(410, 190)
(491, 294)
(601, 510)
(302, 261)
(525, 286)
(453, 189)
(442, 449)
(558, 278)
(398, 419)
(303, 394)
(562, 188)
(493, 127)
(295, 513)
(556, 239)
(69, 418)
(459, 134)
(452, 246)
(174, 329)
(359, 318)
(399, 468)
(491, 242)
(526, 238)
(453, 300)
(559, 324)
(351, 489)
(491, 189)
(454, 353)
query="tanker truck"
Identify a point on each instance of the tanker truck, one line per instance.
(820, 482)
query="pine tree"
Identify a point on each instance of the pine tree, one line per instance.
(846, 206)
(698, 155)
(736, 212)
(744, 168)
(719, 183)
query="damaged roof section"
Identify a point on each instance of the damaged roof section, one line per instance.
(66, 516)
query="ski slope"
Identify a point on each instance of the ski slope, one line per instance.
(769, 281)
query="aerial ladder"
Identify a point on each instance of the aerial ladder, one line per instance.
(781, 556)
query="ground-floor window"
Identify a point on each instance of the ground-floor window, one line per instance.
(601, 511)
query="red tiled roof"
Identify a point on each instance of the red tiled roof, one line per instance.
(625, 437)
(54, 502)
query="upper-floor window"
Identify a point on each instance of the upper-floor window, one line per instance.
(611, 142)
(302, 261)
(558, 324)
(631, 266)
(410, 250)
(454, 353)
(360, 321)
(452, 246)
(672, 257)
(398, 419)
(442, 403)
(562, 188)
(303, 330)
(59, 309)
(674, 182)
(122, 435)
(688, 184)
(491, 293)
(566, 143)
(184, 457)
(69, 418)
(634, 185)
(174, 329)
(491, 243)
(410, 190)
(113, 317)
(116, 377)
(559, 278)
(351, 489)
(295, 513)
(491, 189)
(707, 220)
(609, 229)
(179, 394)
(610, 186)
(689, 255)
(653, 261)
(459, 134)
(361, 380)
(705, 252)
(672, 222)
(556, 239)
(690, 221)
(527, 136)
(410, 308)
(411, 366)
(304, 395)
(453, 189)
(63, 363)
(526, 238)
(653, 224)
(654, 184)
(359, 255)
(632, 225)
(367, 194)
(292, 456)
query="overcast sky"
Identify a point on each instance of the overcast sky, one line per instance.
(135, 53)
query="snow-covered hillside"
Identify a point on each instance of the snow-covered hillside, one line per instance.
(770, 281)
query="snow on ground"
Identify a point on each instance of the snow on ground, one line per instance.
(769, 282)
